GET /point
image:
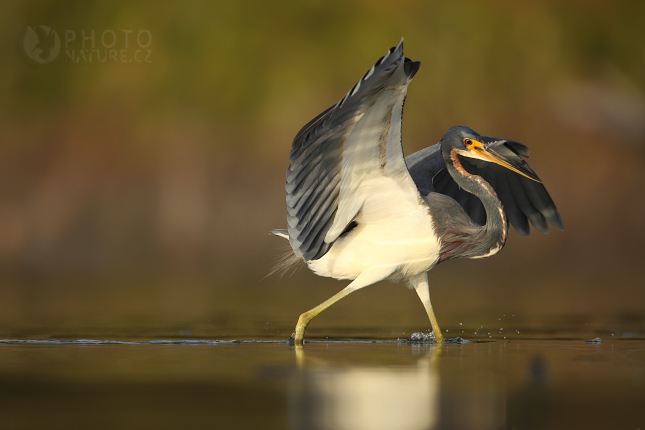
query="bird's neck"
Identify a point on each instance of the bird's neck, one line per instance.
(491, 237)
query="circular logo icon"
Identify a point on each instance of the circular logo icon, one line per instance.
(41, 44)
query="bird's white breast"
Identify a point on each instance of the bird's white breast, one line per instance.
(394, 234)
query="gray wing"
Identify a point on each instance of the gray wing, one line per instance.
(524, 200)
(423, 166)
(314, 176)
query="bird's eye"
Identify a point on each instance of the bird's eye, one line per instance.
(468, 142)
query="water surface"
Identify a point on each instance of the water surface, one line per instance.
(523, 383)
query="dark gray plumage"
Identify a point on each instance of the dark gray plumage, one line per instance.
(523, 199)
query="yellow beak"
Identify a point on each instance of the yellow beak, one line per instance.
(478, 150)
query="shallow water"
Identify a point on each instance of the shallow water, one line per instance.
(372, 384)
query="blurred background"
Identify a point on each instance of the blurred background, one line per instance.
(137, 187)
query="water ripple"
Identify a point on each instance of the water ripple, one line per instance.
(196, 342)
(131, 342)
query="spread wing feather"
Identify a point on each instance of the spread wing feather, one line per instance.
(321, 177)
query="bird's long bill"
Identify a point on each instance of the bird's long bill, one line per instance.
(480, 151)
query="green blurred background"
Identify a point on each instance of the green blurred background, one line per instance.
(136, 197)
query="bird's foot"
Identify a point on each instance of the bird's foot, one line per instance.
(295, 340)
(298, 337)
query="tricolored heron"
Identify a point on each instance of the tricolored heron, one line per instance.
(358, 210)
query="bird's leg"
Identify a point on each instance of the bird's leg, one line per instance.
(306, 317)
(420, 284)
(363, 280)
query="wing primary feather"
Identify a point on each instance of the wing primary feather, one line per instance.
(516, 217)
(526, 207)
(540, 198)
(314, 179)
(367, 74)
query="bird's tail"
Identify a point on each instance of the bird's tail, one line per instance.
(288, 262)
(280, 232)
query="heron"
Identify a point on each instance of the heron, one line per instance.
(358, 210)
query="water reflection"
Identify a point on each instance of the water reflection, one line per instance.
(417, 396)
(524, 384)
(357, 398)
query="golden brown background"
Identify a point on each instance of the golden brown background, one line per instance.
(138, 196)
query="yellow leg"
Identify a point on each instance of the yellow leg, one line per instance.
(420, 284)
(306, 317)
(363, 280)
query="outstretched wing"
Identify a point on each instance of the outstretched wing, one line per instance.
(335, 151)
(524, 200)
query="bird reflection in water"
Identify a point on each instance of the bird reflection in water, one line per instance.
(412, 397)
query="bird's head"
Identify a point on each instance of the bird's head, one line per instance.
(466, 142)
